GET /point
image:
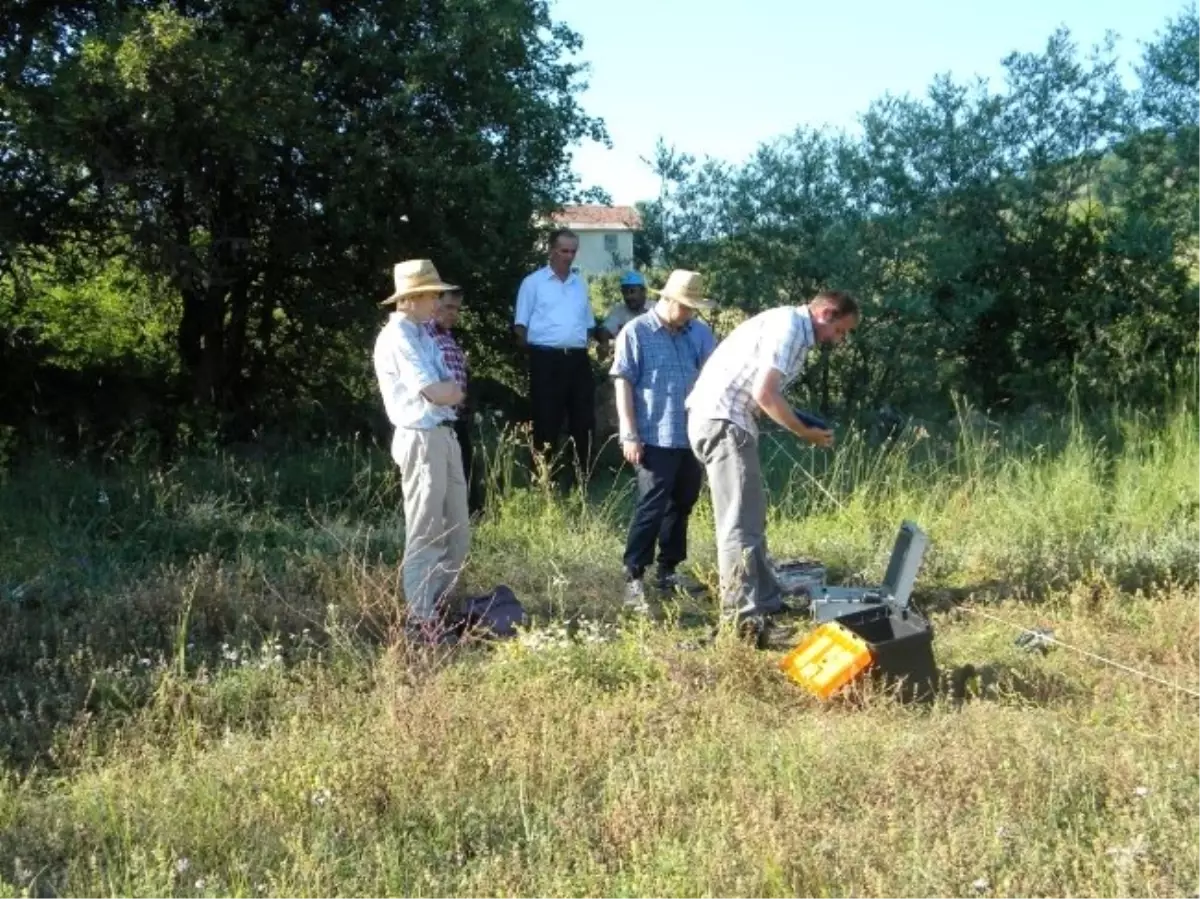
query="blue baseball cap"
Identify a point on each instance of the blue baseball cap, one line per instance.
(633, 279)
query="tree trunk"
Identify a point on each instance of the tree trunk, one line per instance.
(232, 381)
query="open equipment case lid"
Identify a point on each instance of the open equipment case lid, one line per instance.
(907, 554)
(894, 595)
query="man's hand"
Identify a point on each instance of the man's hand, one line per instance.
(766, 392)
(631, 440)
(817, 437)
(632, 450)
(444, 393)
(603, 343)
(522, 334)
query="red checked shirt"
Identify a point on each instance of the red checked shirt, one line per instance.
(452, 354)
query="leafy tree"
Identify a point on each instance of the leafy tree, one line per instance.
(210, 196)
(1014, 245)
(272, 163)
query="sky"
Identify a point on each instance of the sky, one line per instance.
(722, 83)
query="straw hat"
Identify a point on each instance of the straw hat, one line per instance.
(685, 287)
(416, 276)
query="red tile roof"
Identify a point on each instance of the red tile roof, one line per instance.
(598, 217)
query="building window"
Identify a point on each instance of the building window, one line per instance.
(610, 243)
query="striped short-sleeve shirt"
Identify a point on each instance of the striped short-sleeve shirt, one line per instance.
(778, 338)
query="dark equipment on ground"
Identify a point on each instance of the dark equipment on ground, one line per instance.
(874, 628)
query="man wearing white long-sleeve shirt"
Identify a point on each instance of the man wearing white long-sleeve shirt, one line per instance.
(554, 321)
(420, 396)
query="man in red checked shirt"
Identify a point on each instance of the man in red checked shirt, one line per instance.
(441, 328)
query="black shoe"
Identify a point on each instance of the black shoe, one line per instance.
(777, 634)
(430, 633)
(793, 606)
(766, 631)
(667, 580)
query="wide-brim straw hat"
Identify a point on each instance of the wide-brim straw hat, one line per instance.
(416, 276)
(685, 287)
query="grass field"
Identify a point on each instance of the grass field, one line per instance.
(201, 692)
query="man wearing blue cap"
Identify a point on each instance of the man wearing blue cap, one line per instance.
(633, 292)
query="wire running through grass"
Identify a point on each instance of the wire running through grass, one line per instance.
(783, 449)
(1083, 652)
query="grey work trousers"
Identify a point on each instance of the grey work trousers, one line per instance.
(437, 526)
(730, 458)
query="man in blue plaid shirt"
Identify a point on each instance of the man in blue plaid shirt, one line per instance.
(658, 357)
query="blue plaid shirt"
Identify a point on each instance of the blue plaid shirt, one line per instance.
(662, 365)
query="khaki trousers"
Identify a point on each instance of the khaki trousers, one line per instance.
(437, 527)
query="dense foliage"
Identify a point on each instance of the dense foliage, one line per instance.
(202, 203)
(1014, 245)
(232, 181)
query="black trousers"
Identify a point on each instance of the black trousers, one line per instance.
(561, 387)
(668, 483)
(472, 471)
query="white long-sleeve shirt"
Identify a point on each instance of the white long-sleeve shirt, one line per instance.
(555, 312)
(407, 360)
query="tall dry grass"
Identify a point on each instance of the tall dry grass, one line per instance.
(200, 693)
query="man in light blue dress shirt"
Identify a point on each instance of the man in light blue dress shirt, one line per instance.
(553, 320)
(420, 395)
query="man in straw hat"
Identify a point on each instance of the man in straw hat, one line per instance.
(420, 395)
(658, 356)
(746, 375)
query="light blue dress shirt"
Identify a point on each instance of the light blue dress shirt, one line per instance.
(407, 360)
